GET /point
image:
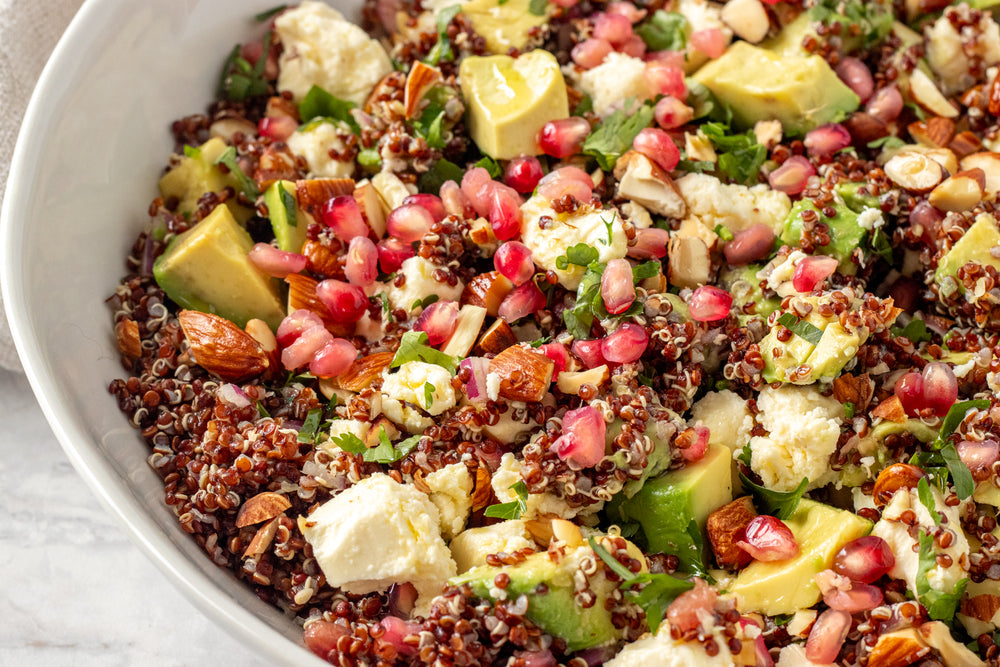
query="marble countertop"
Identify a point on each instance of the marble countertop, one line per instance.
(76, 591)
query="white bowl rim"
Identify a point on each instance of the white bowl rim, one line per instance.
(192, 581)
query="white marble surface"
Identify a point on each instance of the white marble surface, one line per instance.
(74, 590)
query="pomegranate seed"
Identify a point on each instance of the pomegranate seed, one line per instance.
(521, 302)
(686, 611)
(333, 359)
(455, 201)
(343, 215)
(978, 455)
(361, 266)
(409, 222)
(864, 560)
(438, 321)
(940, 387)
(589, 352)
(675, 58)
(582, 440)
(321, 637)
(696, 448)
(277, 128)
(633, 47)
(909, 389)
(827, 636)
(431, 203)
(505, 212)
(292, 326)
(302, 350)
(562, 138)
(856, 75)
(626, 344)
(571, 181)
(827, 139)
(558, 353)
(628, 10)
(523, 173)
(650, 243)
(664, 79)
(810, 272)
(709, 304)
(276, 263)
(861, 597)
(613, 28)
(477, 185)
(392, 253)
(658, 147)
(396, 632)
(749, 245)
(513, 260)
(792, 177)
(711, 42)
(886, 104)
(591, 52)
(769, 539)
(347, 303)
(671, 113)
(617, 287)
(478, 368)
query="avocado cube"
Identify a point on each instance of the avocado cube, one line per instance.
(834, 350)
(207, 268)
(974, 246)
(665, 507)
(504, 24)
(800, 91)
(196, 174)
(784, 587)
(792, 354)
(846, 233)
(287, 221)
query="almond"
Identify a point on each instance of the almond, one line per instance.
(322, 260)
(982, 607)
(467, 328)
(895, 477)
(262, 507)
(276, 164)
(993, 99)
(127, 338)
(747, 19)
(989, 163)
(226, 127)
(372, 439)
(935, 131)
(724, 527)
(965, 143)
(857, 390)
(418, 82)
(487, 290)
(914, 171)
(570, 382)
(495, 340)
(278, 106)
(524, 374)
(481, 233)
(891, 409)
(897, 649)
(865, 127)
(646, 183)
(960, 192)
(302, 295)
(540, 531)
(925, 93)
(688, 262)
(262, 539)
(314, 192)
(262, 334)
(222, 348)
(482, 497)
(364, 371)
(371, 207)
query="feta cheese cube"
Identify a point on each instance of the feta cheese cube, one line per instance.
(419, 284)
(735, 207)
(451, 492)
(617, 79)
(315, 144)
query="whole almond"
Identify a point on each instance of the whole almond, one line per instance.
(895, 477)
(314, 192)
(363, 371)
(524, 374)
(127, 338)
(262, 507)
(222, 348)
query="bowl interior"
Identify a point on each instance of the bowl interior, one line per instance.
(94, 140)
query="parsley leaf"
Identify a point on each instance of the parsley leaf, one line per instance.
(615, 135)
(745, 455)
(442, 49)
(515, 508)
(927, 500)
(645, 270)
(413, 347)
(915, 330)
(268, 13)
(940, 606)
(370, 158)
(740, 156)
(320, 104)
(665, 31)
(239, 79)
(780, 504)
(705, 104)
(490, 165)
(874, 19)
(262, 412)
(580, 317)
(247, 185)
(961, 477)
(801, 328)
(538, 7)
(965, 485)
(955, 417)
(429, 390)
(310, 425)
(350, 443)
(849, 410)
(580, 254)
(441, 171)
(386, 453)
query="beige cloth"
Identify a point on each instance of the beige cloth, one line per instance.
(29, 30)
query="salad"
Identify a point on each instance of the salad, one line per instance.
(527, 332)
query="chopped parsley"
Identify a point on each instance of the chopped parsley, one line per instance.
(874, 18)
(745, 455)
(580, 254)
(612, 138)
(723, 233)
(262, 412)
(940, 606)
(429, 390)
(801, 328)
(645, 270)
(609, 227)
(849, 410)
(442, 49)
(350, 443)
(247, 185)
(590, 304)
(887, 141)
(915, 330)
(881, 245)
(318, 103)
(441, 171)
(426, 301)
(665, 31)
(781, 504)
(705, 104)
(413, 347)
(927, 500)
(490, 165)
(740, 156)
(310, 426)
(515, 508)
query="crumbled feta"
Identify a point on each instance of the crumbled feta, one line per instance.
(471, 547)
(339, 427)
(950, 53)
(419, 284)
(538, 504)
(664, 651)
(735, 207)
(508, 430)
(637, 215)
(451, 493)
(727, 417)
(803, 427)
(408, 389)
(492, 386)
(870, 218)
(794, 655)
(322, 48)
(315, 144)
(586, 225)
(617, 79)
(379, 516)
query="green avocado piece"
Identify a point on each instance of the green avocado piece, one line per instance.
(207, 268)
(549, 588)
(667, 506)
(196, 174)
(974, 246)
(743, 284)
(504, 24)
(784, 587)
(800, 91)
(846, 233)
(288, 224)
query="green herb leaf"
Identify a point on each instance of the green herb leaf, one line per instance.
(429, 390)
(413, 347)
(385, 452)
(665, 31)
(580, 254)
(723, 232)
(873, 18)
(705, 104)
(247, 185)
(580, 317)
(262, 412)
(887, 141)
(586, 105)
(965, 485)
(801, 328)
(490, 165)
(370, 159)
(350, 443)
(609, 226)
(239, 80)
(538, 7)
(442, 49)
(441, 171)
(745, 455)
(541, 341)
(780, 504)
(268, 13)
(290, 206)
(940, 606)
(192, 152)
(881, 245)
(849, 410)
(740, 156)
(955, 417)
(927, 500)
(310, 425)
(645, 270)
(915, 330)
(384, 299)
(515, 508)
(426, 301)
(320, 104)
(615, 135)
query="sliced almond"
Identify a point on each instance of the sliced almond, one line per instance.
(262, 334)
(723, 527)
(981, 607)
(262, 507)
(391, 189)
(321, 260)
(262, 539)
(768, 132)
(965, 143)
(420, 79)
(570, 382)
(688, 262)
(567, 532)
(655, 284)
(314, 192)
(890, 409)
(693, 227)
(936, 132)
(222, 348)
(925, 93)
(371, 206)
(525, 375)
(895, 477)
(989, 163)
(487, 290)
(275, 164)
(960, 192)
(496, 339)
(914, 171)
(854, 389)
(372, 440)
(363, 371)
(747, 19)
(645, 182)
(540, 531)
(898, 649)
(467, 327)
(127, 338)
(482, 497)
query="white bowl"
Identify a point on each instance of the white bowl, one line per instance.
(94, 139)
